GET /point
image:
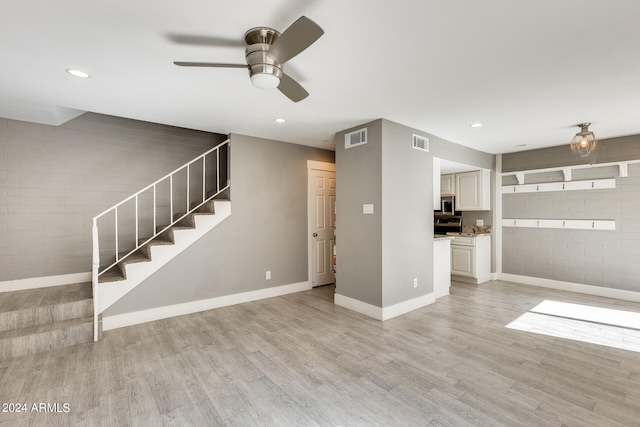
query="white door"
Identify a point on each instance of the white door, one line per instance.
(322, 203)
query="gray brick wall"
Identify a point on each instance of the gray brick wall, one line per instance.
(53, 180)
(600, 258)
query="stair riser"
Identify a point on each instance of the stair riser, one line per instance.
(208, 207)
(45, 341)
(187, 221)
(46, 314)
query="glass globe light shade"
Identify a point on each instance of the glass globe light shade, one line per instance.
(265, 81)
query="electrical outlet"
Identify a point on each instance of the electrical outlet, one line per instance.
(415, 282)
(267, 275)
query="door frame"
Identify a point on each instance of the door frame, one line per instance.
(311, 166)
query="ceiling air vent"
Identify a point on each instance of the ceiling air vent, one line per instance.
(355, 138)
(420, 142)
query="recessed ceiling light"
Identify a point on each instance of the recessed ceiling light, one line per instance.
(279, 120)
(521, 145)
(78, 73)
(476, 125)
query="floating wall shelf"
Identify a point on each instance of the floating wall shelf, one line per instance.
(570, 224)
(591, 184)
(623, 170)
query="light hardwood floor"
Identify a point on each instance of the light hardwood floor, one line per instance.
(300, 360)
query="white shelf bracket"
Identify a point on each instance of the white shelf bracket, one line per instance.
(520, 177)
(567, 174)
(623, 171)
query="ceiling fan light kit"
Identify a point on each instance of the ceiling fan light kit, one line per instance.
(267, 50)
(584, 142)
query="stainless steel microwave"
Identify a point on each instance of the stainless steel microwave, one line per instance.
(448, 205)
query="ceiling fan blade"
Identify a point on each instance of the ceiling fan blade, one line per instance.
(208, 64)
(299, 36)
(291, 88)
(197, 40)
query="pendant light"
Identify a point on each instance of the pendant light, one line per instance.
(584, 142)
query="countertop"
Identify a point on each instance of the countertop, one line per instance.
(439, 237)
(468, 234)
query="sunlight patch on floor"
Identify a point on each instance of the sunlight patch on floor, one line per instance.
(595, 325)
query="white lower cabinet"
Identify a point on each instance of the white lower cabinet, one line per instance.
(471, 258)
(463, 260)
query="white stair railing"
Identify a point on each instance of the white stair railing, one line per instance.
(200, 164)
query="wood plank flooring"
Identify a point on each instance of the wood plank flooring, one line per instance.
(300, 360)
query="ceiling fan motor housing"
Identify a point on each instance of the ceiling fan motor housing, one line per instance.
(265, 72)
(259, 60)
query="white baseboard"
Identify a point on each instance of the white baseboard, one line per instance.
(44, 282)
(407, 306)
(358, 306)
(572, 287)
(128, 319)
(383, 313)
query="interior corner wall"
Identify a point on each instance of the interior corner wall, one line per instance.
(602, 258)
(359, 236)
(407, 216)
(54, 179)
(266, 231)
(379, 255)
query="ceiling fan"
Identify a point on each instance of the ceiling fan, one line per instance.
(267, 51)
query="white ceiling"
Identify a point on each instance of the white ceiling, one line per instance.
(528, 71)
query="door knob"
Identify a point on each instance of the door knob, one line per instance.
(315, 234)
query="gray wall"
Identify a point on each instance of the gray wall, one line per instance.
(599, 258)
(359, 237)
(53, 180)
(608, 150)
(379, 255)
(448, 150)
(407, 216)
(267, 230)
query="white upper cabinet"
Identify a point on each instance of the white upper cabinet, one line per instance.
(473, 190)
(447, 185)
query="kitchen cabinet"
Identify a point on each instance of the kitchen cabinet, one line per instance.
(473, 190)
(447, 185)
(471, 258)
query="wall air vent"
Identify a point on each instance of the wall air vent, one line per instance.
(355, 138)
(420, 142)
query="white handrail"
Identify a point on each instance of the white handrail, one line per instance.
(96, 246)
(216, 148)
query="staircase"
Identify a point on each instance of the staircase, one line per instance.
(120, 279)
(201, 185)
(37, 320)
(166, 236)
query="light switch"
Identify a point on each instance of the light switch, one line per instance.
(367, 209)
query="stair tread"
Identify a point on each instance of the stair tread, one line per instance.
(32, 298)
(46, 327)
(112, 275)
